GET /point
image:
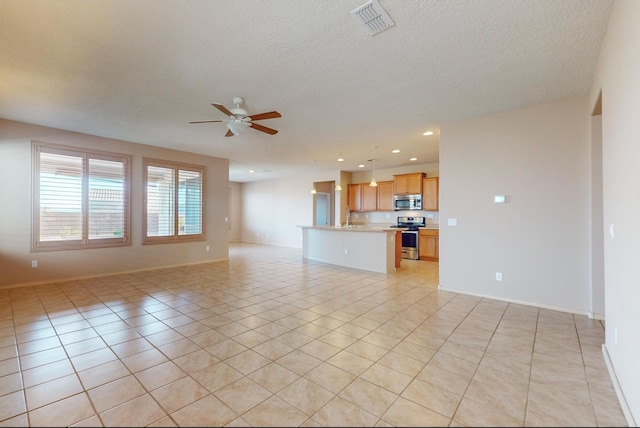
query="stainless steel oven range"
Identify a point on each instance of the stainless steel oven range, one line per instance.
(410, 236)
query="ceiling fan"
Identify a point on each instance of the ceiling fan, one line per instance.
(239, 119)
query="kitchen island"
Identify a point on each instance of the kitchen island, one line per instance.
(361, 247)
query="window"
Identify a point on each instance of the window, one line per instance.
(81, 198)
(173, 204)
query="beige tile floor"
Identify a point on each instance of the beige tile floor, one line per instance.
(267, 339)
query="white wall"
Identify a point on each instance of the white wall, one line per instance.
(272, 210)
(597, 225)
(538, 157)
(15, 215)
(618, 76)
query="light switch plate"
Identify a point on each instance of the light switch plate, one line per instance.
(452, 222)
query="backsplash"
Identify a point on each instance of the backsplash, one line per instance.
(390, 217)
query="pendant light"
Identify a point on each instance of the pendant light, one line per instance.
(373, 169)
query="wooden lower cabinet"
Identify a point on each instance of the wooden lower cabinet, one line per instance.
(428, 244)
(398, 248)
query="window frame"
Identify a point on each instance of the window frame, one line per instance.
(85, 242)
(176, 167)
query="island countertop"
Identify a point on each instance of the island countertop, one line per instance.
(368, 228)
(353, 228)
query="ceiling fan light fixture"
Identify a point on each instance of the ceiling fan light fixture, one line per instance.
(237, 127)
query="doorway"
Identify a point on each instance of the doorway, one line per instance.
(323, 209)
(323, 203)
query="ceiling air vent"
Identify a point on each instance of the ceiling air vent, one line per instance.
(373, 17)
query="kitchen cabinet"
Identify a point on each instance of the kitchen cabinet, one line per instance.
(354, 197)
(430, 187)
(398, 248)
(385, 196)
(369, 197)
(429, 243)
(363, 197)
(408, 184)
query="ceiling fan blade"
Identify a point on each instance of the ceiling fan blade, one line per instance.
(263, 129)
(229, 134)
(205, 121)
(222, 108)
(267, 115)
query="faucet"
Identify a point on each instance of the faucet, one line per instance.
(348, 216)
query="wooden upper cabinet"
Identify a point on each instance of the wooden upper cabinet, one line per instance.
(430, 194)
(408, 184)
(369, 197)
(363, 197)
(355, 197)
(385, 196)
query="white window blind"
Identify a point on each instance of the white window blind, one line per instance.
(107, 198)
(81, 198)
(174, 208)
(160, 201)
(61, 197)
(190, 202)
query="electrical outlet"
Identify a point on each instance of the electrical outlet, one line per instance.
(208, 248)
(346, 251)
(498, 276)
(34, 263)
(452, 222)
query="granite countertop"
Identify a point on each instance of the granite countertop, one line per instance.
(369, 227)
(353, 228)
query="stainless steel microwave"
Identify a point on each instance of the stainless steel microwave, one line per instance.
(407, 202)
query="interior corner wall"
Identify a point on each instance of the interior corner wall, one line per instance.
(617, 79)
(538, 239)
(235, 211)
(15, 222)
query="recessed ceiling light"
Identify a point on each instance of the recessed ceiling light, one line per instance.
(427, 133)
(413, 159)
(395, 151)
(361, 165)
(251, 171)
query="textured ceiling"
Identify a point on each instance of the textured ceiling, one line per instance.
(141, 70)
